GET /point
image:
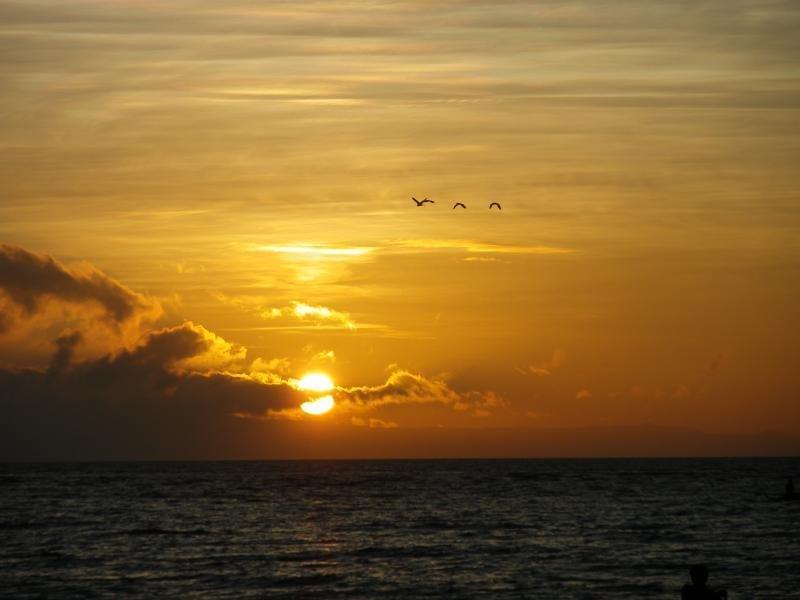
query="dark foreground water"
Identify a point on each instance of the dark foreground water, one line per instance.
(407, 529)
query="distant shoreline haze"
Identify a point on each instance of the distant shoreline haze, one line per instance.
(250, 441)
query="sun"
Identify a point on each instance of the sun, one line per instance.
(319, 406)
(316, 383)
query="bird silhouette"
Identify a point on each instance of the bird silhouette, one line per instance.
(497, 204)
(421, 202)
(457, 204)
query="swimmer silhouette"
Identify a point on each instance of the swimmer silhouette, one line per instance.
(698, 590)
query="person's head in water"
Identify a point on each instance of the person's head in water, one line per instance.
(699, 575)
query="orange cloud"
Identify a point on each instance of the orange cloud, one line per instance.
(295, 312)
(312, 250)
(478, 247)
(310, 312)
(547, 367)
(403, 387)
(40, 297)
(28, 280)
(373, 423)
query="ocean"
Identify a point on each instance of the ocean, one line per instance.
(617, 528)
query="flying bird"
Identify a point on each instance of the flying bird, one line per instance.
(497, 204)
(457, 204)
(421, 202)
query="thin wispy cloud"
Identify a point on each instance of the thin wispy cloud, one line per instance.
(291, 315)
(316, 251)
(476, 247)
(548, 367)
(324, 356)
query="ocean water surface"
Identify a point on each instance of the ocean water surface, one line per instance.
(406, 529)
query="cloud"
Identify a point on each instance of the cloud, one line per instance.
(270, 371)
(168, 390)
(478, 247)
(157, 394)
(583, 394)
(324, 356)
(404, 387)
(373, 423)
(5, 319)
(400, 388)
(482, 259)
(414, 245)
(41, 298)
(65, 347)
(320, 315)
(218, 353)
(317, 250)
(547, 367)
(295, 315)
(28, 280)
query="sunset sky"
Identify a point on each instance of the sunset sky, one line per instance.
(203, 201)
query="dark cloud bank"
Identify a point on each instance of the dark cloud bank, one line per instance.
(140, 402)
(135, 404)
